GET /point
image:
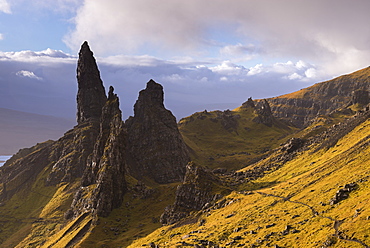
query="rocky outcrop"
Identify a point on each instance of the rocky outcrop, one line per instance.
(103, 182)
(249, 103)
(262, 110)
(292, 145)
(264, 113)
(360, 96)
(155, 145)
(198, 188)
(343, 193)
(91, 95)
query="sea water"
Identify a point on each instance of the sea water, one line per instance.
(3, 159)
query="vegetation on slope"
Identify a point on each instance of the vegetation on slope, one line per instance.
(230, 139)
(296, 209)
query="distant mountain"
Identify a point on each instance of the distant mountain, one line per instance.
(20, 129)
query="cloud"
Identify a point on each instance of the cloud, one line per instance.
(5, 7)
(1, 36)
(318, 31)
(47, 57)
(28, 74)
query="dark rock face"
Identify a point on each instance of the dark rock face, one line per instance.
(155, 145)
(264, 113)
(91, 93)
(196, 190)
(360, 96)
(70, 153)
(249, 103)
(105, 171)
(343, 193)
(292, 145)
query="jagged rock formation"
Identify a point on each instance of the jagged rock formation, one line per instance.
(91, 95)
(249, 103)
(96, 149)
(301, 107)
(72, 150)
(264, 113)
(198, 188)
(343, 193)
(262, 109)
(155, 145)
(105, 171)
(292, 145)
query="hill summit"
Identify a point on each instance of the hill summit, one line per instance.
(290, 171)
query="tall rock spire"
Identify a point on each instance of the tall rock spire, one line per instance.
(91, 93)
(155, 145)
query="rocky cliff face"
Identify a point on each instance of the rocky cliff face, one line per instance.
(198, 188)
(155, 145)
(103, 182)
(301, 107)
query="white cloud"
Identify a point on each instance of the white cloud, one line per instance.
(5, 7)
(228, 68)
(256, 70)
(310, 73)
(295, 76)
(46, 57)
(28, 74)
(1, 36)
(309, 30)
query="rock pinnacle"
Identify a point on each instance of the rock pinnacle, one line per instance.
(91, 93)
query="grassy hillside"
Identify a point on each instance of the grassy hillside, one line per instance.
(294, 210)
(230, 139)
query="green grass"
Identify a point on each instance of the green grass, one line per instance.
(214, 146)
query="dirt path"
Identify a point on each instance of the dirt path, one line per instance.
(336, 223)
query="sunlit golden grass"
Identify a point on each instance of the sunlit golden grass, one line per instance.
(300, 199)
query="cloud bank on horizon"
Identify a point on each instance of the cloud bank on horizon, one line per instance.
(211, 54)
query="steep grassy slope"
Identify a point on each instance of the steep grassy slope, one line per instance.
(230, 139)
(294, 210)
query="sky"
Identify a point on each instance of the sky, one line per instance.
(208, 54)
